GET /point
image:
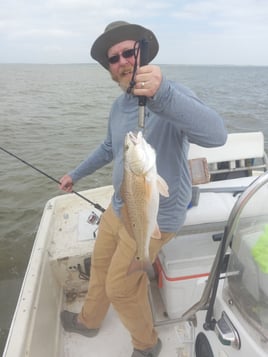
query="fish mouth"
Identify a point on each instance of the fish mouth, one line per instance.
(131, 140)
(133, 137)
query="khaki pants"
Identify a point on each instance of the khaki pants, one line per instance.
(109, 282)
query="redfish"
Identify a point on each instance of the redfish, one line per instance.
(140, 192)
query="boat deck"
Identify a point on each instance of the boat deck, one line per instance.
(117, 339)
(65, 241)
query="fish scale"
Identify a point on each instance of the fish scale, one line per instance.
(140, 192)
(137, 223)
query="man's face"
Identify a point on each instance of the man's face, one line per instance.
(122, 68)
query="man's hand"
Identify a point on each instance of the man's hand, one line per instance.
(148, 80)
(66, 183)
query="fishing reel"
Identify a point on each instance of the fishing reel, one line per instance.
(94, 220)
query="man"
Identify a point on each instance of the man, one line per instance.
(174, 117)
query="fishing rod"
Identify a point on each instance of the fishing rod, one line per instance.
(96, 205)
(141, 47)
(144, 56)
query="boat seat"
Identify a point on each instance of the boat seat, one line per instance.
(213, 209)
(232, 165)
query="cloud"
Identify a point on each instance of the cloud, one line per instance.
(223, 31)
(188, 30)
(226, 14)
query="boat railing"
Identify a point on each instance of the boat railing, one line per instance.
(233, 220)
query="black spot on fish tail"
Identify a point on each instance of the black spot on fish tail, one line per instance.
(137, 264)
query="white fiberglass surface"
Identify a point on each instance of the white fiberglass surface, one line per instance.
(247, 283)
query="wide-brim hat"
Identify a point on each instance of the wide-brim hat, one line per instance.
(119, 31)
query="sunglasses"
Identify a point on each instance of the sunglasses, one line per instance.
(126, 54)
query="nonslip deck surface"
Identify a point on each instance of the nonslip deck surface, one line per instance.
(113, 340)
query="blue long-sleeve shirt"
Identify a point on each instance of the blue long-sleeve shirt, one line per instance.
(174, 118)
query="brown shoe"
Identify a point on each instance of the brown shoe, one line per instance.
(150, 352)
(70, 324)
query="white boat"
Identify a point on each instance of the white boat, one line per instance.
(208, 293)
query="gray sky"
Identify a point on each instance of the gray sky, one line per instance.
(189, 31)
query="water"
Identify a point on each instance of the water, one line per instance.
(53, 115)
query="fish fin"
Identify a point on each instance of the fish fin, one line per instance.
(139, 265)
(162, 186)
(156, 233)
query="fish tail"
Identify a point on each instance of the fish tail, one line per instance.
(139, 265)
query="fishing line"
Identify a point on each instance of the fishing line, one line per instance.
(96, 205)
